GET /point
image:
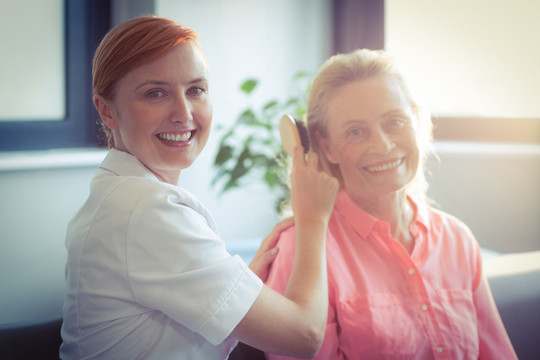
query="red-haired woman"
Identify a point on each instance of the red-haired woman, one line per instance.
(147, 275)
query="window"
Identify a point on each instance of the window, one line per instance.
(474, 62)
(68, 118)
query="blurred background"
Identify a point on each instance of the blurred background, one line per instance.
(475, 63)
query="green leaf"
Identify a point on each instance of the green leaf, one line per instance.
(219, 176)
(270, 105)
(225, 152)
(240, 169)
(249, 85)
(248, 117)
(271, 177)
(231, 184)
(301, 75)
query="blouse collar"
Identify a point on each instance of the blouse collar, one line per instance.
(364, 223)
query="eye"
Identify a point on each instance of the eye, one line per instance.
(197, 90)
(155, 93)
(355, 133)
(396, 123)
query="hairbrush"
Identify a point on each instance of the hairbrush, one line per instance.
(293, 133)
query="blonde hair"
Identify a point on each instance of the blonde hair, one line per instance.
(129, 45)
(362, 64)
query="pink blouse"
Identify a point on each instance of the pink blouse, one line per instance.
(385, 303)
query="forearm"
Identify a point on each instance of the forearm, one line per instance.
(293, 324)
(308, 284)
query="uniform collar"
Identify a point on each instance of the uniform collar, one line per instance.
(122, 163)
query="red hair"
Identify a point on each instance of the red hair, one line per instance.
(129, 45)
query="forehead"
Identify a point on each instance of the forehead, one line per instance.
(184, 61)
(365, 99)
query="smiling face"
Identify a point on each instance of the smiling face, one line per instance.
(371, 137)
(161, 111)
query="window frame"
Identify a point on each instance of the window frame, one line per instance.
(86, 21)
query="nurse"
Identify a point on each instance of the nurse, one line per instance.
(147, 275)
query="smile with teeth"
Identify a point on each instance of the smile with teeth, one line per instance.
(384, 167)
(175, 137)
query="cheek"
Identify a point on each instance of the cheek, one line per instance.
(208, 116)
(205, 113)
(333, 149)
(413, 151)
(130, 117)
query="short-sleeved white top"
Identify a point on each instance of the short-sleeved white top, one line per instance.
(147, 275)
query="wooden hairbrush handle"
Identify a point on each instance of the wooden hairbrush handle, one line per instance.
(293, 133)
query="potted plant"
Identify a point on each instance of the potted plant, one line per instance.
(250, 149)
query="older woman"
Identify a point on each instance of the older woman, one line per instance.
(147, 275)
(405, 280)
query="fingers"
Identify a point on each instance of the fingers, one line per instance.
(272, 238)
(283, 224)
(312, 191)
(267, 251)
(299, 158)
(312, 160)
(262, 261)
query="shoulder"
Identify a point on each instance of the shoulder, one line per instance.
(443, 221)
(130, 192)
(453, 235)
(281, 268)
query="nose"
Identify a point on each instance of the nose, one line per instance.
(181, 110)
(381, 142)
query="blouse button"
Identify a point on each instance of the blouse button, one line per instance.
(411, 271)
(423, 307)
(439, 349)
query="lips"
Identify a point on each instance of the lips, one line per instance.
(381, 167)
(175, 137)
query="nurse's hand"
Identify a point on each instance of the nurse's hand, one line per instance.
(268, 251)
(313, 191)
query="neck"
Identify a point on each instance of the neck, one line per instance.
(168, 178)
(397, 211)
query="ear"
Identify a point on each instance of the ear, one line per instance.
(324, 143)
(106, 111)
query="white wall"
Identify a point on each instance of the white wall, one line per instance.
(35, 208)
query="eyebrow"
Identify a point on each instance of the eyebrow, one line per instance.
(353, 122)
(394, 112)
(161, 82)
(383, 116)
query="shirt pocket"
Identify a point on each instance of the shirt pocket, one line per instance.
(460, 312)
(380, 326)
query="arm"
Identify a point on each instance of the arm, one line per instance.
(493, 339)
(294, 324)
(278, 278)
